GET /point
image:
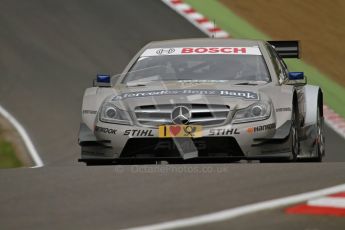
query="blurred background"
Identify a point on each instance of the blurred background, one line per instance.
(50, 51)
(319, 25)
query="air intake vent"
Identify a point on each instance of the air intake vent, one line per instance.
(201, 114)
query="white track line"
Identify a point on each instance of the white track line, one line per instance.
(334, 202)
(240, 211)
(24, 135)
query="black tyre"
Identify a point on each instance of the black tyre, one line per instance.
(320, 138)
(295, 144)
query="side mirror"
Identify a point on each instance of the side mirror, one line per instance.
(102, 80)
(297, 78)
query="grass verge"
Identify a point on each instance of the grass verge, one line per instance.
(8, 157)
(334, 94)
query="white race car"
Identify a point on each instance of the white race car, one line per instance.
(203, 100)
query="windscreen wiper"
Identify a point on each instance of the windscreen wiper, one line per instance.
(246, 83)
(137, 83)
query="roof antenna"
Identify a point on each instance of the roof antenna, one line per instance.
(214, 29)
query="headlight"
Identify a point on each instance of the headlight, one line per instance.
(110, 113)
(256, 112)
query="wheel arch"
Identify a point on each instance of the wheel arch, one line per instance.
(313, 99)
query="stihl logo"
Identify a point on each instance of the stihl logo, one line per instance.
(215, 50)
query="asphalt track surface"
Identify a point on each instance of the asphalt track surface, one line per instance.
(50, 52)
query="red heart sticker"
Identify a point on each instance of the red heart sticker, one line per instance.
(174, 130)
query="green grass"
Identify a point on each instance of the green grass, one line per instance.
(8, 157)
(334, 94)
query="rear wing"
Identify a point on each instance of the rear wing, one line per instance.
(286, 49)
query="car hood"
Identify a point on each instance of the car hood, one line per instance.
(180, 92)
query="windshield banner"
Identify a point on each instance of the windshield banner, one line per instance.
(201, 50)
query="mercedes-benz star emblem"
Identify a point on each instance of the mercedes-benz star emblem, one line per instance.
(181, 115)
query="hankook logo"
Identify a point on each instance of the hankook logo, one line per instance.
(181, 115)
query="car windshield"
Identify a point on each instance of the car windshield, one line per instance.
(214, 67)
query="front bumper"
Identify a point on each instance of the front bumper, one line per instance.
(240, 141)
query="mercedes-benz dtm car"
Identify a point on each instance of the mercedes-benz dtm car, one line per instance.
(203, 100)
